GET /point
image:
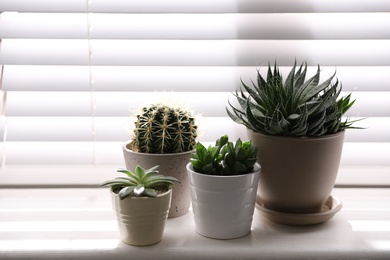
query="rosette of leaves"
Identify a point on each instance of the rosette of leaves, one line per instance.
(294, 107)
(225, 158)
(141, 183)
(162, 128)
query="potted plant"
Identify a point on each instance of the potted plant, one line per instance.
(141, 202)
(298, 126)
(223, 180)
(164, 135)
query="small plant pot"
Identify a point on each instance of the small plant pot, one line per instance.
(223, 206)
(141, 220)
(173, 164)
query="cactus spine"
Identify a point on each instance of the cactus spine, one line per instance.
(161, 128)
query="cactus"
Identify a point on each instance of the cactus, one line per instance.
(162, 129)
(225, 158)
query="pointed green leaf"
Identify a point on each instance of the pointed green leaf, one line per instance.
(125, 192)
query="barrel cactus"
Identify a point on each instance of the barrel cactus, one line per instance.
(294, 107)
(162, 128)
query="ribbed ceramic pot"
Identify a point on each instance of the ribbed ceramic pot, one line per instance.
(141, 220)
(223, 206)
(297, 174)
(173, 164)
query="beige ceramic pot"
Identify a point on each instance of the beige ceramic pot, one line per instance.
(141, 221)
(297, 174)
(174, 165)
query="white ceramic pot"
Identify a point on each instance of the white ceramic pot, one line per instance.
(141, 221)
(173, 164)
(223, 206)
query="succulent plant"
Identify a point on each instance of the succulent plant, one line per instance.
(225, 158)
(161, 128)
(295, 107)
(141, 183)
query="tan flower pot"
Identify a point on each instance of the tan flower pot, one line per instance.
(174, 165)
(141, 221)
(297, 174)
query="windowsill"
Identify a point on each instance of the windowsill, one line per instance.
(79, 224)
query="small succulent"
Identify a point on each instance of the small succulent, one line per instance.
(225, 158)
(295, 107)
(161, 128)
(141, 183)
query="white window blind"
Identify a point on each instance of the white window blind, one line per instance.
(73, 70)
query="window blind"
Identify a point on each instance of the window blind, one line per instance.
(72, 71)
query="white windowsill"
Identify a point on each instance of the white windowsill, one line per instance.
(79, 224)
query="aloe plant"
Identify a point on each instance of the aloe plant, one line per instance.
(225, 158)
(161, 128)
(141, 183)
(295, 107)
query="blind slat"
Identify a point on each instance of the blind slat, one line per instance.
(47, 153)
(53, 52)
(174, 6)
(195, 53)
(196, 26)
(49, 104)
(173, 78)
(246, 6)
(62, 104)
(62, 78)
(107, 129)
(49, 129)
